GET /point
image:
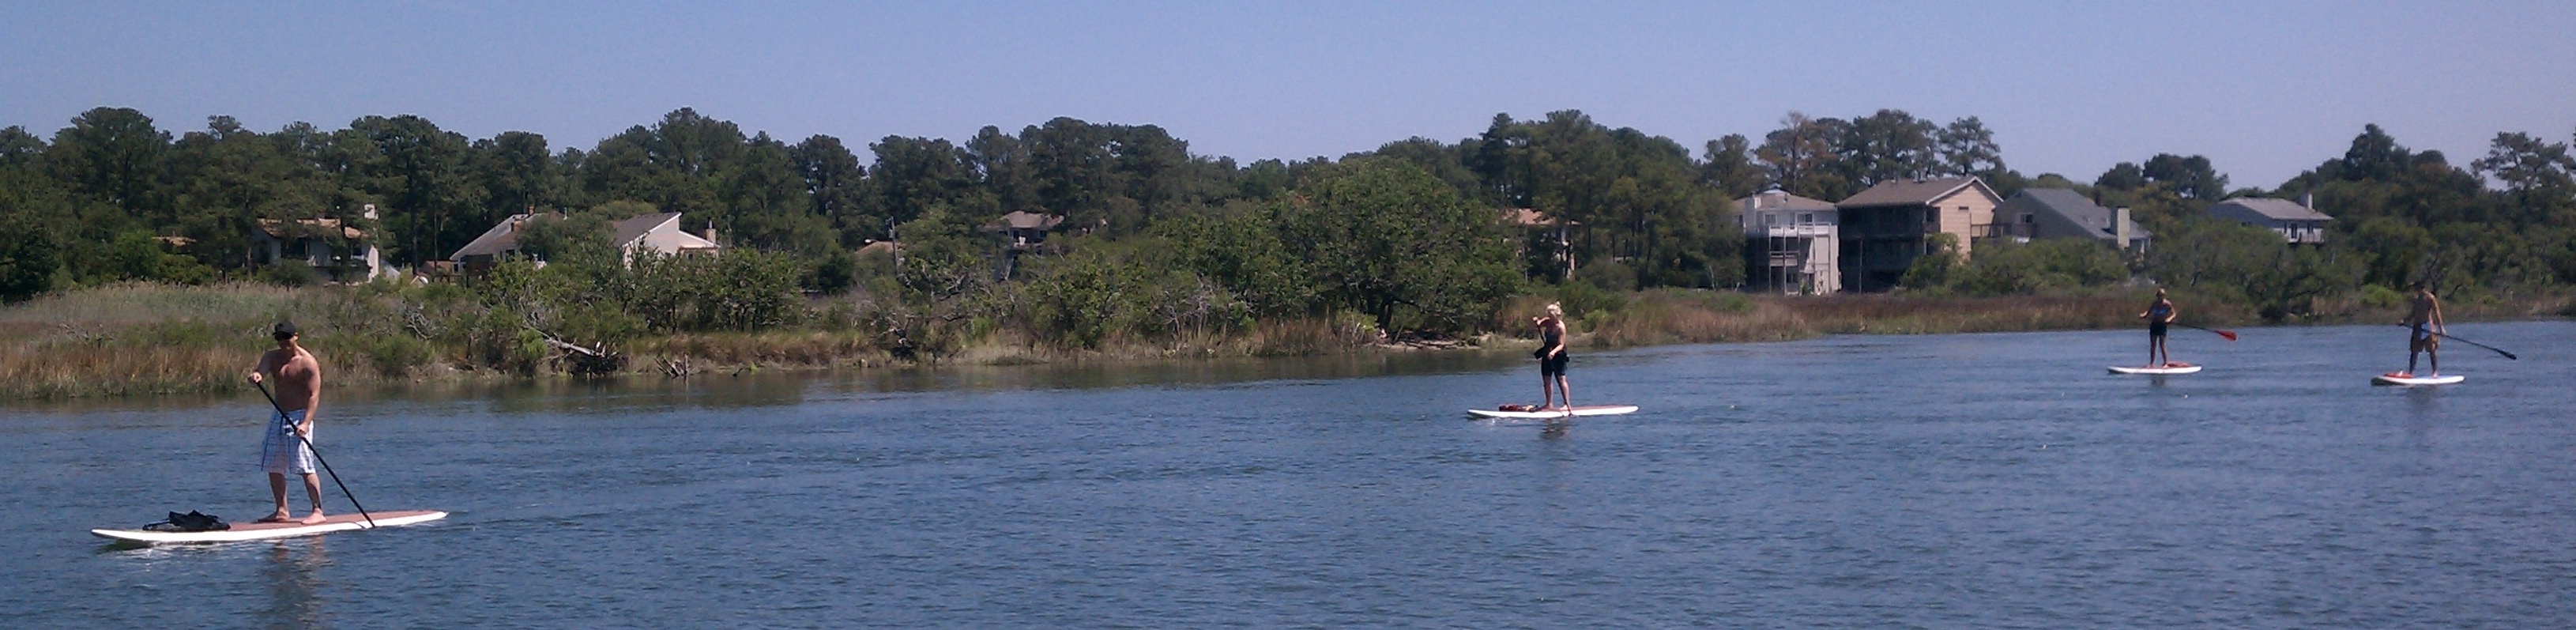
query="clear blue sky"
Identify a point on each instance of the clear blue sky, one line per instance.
(2265, 89)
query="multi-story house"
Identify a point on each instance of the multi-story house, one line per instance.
(1889, 225)
(1791, 243)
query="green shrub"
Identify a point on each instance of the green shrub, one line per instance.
(291, 273)
(1580, 297)
(2376, 296)
(392, 355)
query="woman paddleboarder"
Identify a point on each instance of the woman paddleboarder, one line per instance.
(2159, 316)
(1552, 359)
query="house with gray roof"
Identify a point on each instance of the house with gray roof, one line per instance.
(2298, 222)
(499, 242)
(1025, 233)
(1791, 244)
(658, 233)
(2061, 213)
(334, 248)
(1889, 225)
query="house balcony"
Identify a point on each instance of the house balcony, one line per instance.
(2000, 230)
(1794, 231)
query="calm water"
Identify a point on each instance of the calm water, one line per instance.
(1959, 481)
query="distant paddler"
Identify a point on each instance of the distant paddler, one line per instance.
(1552, 359)
(2160, 317)
(2424, 329)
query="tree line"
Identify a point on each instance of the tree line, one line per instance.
(1158, 240)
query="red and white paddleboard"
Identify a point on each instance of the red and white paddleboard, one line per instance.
(1584, 410)
(259, 531)
(2176, 367)
(2402, 378)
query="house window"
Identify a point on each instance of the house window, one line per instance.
(1806, 218)
(2026, 217)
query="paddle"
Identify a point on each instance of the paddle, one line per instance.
(2507, 355)
(317, 456)
(2229, 334)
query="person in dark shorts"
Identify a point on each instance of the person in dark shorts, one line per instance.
(1552, 358)
(2159, 316)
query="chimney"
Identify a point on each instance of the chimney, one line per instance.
(2120, 226)
(2308, 200)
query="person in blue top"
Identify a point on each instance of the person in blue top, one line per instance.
(2159, 316)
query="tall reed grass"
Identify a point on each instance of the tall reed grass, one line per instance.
(140, 339)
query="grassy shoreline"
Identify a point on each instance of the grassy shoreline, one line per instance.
(144, 340)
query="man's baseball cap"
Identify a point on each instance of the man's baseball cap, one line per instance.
(283, 328)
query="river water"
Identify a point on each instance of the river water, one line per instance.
(1950, 481)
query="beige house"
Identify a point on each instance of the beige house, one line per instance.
(1888, 226)
(1553, 234)
(499, 242)
(657, 233)
(653, 232)
(340, 252)
(1792, 244)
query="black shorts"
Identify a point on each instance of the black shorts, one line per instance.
(2155, 329)
(1554, 366)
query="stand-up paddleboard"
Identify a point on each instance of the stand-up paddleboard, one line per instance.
(259, 531)
(2169, 368)
(2402, 378)
(1584, 410)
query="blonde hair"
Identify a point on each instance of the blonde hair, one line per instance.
(1555, 311)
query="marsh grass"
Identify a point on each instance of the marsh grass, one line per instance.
(141, 338)
(145, 339)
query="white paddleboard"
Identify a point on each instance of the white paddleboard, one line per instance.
(2169, 368)
(258, 531)
(1585, 410)
(2401, 378)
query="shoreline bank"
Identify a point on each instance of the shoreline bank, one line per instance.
(139, 341)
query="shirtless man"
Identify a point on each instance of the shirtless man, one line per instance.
(2424, 327)
(299, 397)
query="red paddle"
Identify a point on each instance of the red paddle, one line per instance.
(2229, 334)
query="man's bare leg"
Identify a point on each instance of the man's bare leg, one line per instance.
(277, 490)
(1546, 392)
(1564, 393)
(312, 491)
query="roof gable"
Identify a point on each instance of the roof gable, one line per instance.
(2072, 206)
(1024, 220)
(1776, 199)
(501, 239)
(1916, 192)
(2276, 209)
(276, 229)
(631, 230)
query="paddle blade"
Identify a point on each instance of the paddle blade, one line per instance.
(2229, 334)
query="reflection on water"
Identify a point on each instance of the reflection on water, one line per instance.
(294, 585)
